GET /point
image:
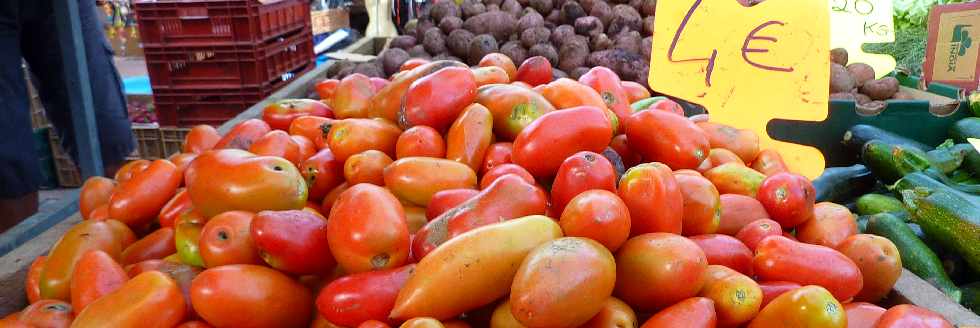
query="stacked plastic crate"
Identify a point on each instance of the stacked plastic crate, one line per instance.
(209, 60)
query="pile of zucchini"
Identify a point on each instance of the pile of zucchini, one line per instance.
(924, 199)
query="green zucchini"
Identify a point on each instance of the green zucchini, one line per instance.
(971, 296)
(890, 162)
(840, 184)
(971, 159)
(916, 256)
(950, 220)
(947, 157)
(858, 135)
(966, 128)
(877, 203)
(918, 180)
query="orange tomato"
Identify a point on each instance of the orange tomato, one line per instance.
(743, 142)
(352, 97)
(634, 91)
(757, 230)
(420, 141)
(725, 250)
(905, 315)
(702, 205)
(738, 211)
(830, 226)
(243, 134)
(96, 275)
(179, 205)
(862, 315)
(100, 213)
(737, 297)
(416, 179)
(372, 324)
(504, 169)
(694, 312)
(325, 89)
(366, 167)
(879, 261)
(413, 63)
(195, 324)
(562, 283)
(95, 192)
(277, 143)
(614, 313)
(489, 75)
(422, 323)
(656, 270)
(31, 283)
(470, 136)
(225, 239)
(734, 178)
(331, 197)
(717, 157)
(655, 201)
(306, 148)
(110, 236)
(150, 300)
(668, 138)
(47, 314)
(497, 59)
(367, 230)
(182, 161)
(310, 127)
(157, 245)
(352, 136)
(231, 179)
(567, 93)
(599, 215)
(128, 170)
(513, 107)
(810, 306)
(199, 139)
(244, 295)
(138, 201)
(769, 162)
(502, 317)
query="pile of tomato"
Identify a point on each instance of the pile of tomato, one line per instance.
(450, 196)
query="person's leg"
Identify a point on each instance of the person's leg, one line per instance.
(44, 56)
(20, 173)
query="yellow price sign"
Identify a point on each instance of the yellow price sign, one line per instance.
(856, 22)
(748, 65)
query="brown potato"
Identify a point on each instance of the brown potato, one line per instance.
(880, 89)
(861, 73)
(839, 56)
(840, 79)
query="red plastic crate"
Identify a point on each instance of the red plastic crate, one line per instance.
(230, 66)
(214, 107)
(212, 22)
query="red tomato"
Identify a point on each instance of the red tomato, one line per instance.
(788, 198)
(497, 59)
(503, 169)
(332, 197)
(725, 250)
(497, 153)
(582, 171)
(306, 148)
(620, 145)
(470, 136)
(830, 226)
(322, 172)
(138, 201)
(231, 179)
(128, 170)
(100, 213)
(96, 275)
(658, 269)
(277, 143)
(293, 241)
(667, 138)
(428, 103)
(352, 98)
(769, 162)
(47, 314)
(534, 71)
(242, 295)
(413, 63)
(599, 215)
(182, 161)
(310, 127)
(226, 239)
(694, 312)
(157, 245)
(31, 285)
(110, 236)
(549, 140)
(909, 316)
(757, 230)
(281, 113)
(420, 140)
(366, 167)
(702, 205)
(635, 91)
(444, 200)
(95, 192)
(772, 289)
(367, 229)
(604, 81)
(325, 89)
(809, 306)
(655, 201)
(151, 299)
(862, 315)
(199, 139)
(879, 261)
(195, 324)
(242, 135)
(738, 211)
(665, 105)
(778, 258)
(354, 299)
(175, 207)
(373, 324)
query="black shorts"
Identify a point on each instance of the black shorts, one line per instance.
(28, 31)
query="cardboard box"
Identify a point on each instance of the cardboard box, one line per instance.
(952, 50)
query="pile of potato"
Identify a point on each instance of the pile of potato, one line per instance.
(857, 81)
(574, 35)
